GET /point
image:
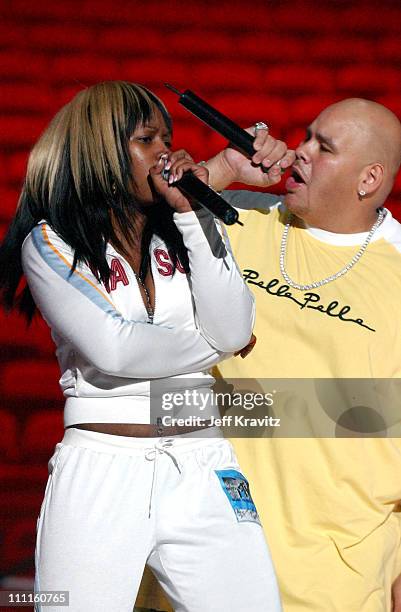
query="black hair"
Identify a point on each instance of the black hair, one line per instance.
(79, 181)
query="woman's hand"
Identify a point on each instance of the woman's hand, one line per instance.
(176, 163)
(248, 348)
(265, 169)
(396, 595)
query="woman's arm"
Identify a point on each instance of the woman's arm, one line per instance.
(224, 305)
(77, 307)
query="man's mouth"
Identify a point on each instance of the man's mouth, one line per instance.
(295, 180)
(297, 175)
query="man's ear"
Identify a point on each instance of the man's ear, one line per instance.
(371, 179)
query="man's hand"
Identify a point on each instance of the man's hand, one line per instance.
(396, 595)
(265, 168)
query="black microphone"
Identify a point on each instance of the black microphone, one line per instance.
(193, 187)
(216, 120)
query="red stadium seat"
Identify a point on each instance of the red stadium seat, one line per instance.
(42, 432)
(295, 136)
(8, 436)
(368, 79)
(156, 71)
(395, 208)
(266, 47)
(297, 79)
(226, 16)
(8, 203)
(65, 93)
(57, 37)
(86, 69)
(122, 40)
(393, 102)
(389, 50)
(17, 477)
(24, 9)
(3, 229)
(17, 541)
(21, 503)
(302, 17)
(397, 187)
(347, 50)
(170, 99)
(191, 136)
(12, 34)
(30, 380)
(227, 75)
(16, 168)
(100, 12)
(215, 143)
(23, 341)
(22, 489)
(16, 65)
(372, 19)
(149, 13)
(206, 44)
(248, 108)
(305, 108)
(18, 132)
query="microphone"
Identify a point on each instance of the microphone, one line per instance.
(189, 183)
(193, 187)
(216, 120)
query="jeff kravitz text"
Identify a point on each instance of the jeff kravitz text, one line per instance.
(224, 421)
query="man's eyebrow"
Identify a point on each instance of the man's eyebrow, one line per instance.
(326, 140)
(321, 138)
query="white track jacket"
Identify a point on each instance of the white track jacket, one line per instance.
(107, 350)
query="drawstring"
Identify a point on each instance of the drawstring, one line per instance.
(151, 455)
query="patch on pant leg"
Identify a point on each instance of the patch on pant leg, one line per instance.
(236, 487)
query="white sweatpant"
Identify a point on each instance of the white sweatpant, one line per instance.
(179, 505)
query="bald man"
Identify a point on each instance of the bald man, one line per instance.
(324, 263)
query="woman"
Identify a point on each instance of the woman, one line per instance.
(135, 287)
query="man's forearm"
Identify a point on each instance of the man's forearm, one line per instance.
(220, 173)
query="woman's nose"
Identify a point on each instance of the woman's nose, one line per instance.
(163, 148)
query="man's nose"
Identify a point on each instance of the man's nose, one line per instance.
(302, 152)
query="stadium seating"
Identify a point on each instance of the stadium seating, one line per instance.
(43, 430)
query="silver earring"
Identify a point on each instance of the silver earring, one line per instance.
(362, 193)
(113, 188)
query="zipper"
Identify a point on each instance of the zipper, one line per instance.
(133, 274)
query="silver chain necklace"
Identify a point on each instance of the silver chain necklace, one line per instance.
(333, 277)
(149, 309)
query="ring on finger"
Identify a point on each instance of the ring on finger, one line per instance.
(278, 163)
(260, 125)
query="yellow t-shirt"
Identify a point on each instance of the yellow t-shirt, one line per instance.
(328, 505)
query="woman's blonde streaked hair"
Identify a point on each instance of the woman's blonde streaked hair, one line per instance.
(92, 132)
(79, 180)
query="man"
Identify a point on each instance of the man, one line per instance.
(325, 268)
